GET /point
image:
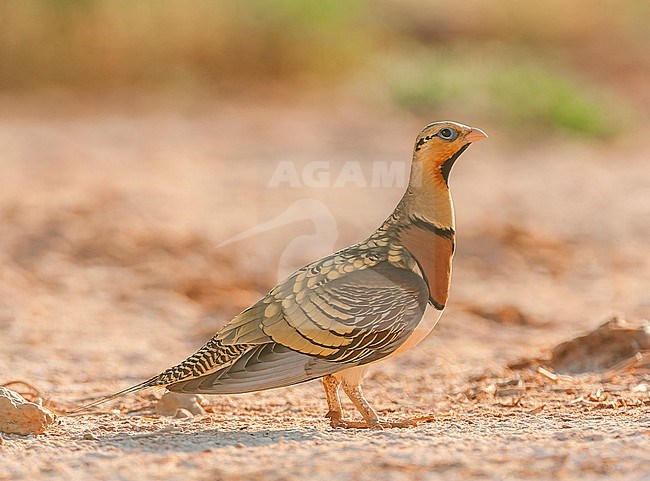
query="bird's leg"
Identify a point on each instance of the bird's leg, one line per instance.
(370, 417)
(335, 412)
(355, 394)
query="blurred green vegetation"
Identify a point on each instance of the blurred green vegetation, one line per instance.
(96, 44)
(571, 66)
(508, 86)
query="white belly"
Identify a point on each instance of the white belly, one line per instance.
(421, 331)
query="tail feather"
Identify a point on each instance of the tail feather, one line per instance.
(211, 356)
(138, 387)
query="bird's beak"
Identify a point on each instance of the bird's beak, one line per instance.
(474, 135)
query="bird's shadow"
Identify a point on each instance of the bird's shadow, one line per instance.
(166, 440)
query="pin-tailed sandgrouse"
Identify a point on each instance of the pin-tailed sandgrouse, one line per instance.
(335, 317)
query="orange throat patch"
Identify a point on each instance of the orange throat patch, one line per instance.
(433, 251)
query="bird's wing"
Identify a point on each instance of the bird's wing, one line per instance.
(247, 327)
(357, 318)
(265, 366)
(362, 315)
(343, 307)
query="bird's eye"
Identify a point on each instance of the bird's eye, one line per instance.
(447, 134)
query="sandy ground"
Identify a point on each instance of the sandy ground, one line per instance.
(111, 271)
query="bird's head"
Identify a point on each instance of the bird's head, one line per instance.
(439, 145)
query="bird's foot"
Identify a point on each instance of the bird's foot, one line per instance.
(337, 421)
(407, 423)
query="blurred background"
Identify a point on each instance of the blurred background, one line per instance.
(137, 137)
(578, 68)
(163, 162)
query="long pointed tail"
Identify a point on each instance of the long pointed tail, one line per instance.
(212, 355)
(143, 385)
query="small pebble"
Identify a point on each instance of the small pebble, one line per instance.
(89, 437)
(183, 414)
(239, 446)
(171, 402)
